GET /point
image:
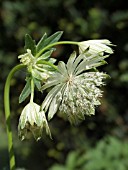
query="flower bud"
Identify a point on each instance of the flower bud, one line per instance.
(95, 46)
(32, 120)
(27, 58)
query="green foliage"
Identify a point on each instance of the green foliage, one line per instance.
(31, 61)
(44, 41)
(47, 41)
(109, 153)
(26, 91)
(37, 84)
(30, 44)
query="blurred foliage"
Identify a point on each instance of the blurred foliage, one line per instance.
(109, 153)
(80, 20)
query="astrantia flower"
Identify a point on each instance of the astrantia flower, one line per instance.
(33, 120)
(75, 92)
(95, 46)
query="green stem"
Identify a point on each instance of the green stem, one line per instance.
(47, 63)
(54, 44)
(7, 115)
(32, 90)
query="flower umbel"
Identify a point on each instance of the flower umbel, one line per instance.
(33, 120)
(75, 92)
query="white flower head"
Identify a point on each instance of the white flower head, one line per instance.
(33, 120)
(96, 46)
(75, 92)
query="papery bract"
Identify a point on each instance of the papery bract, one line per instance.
(75, 91)
(95, 46)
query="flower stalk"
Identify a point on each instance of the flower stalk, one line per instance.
(32, 91)
(7, 115)
(56, 43)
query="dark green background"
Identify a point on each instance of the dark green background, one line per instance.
(80, 20)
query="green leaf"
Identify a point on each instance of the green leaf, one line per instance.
(40, 44)
(53, 38)
(46, 41)
(30, 44)
(37, 83)
(45, 56)
(26, 91)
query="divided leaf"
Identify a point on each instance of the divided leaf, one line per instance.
(26, 91)
(30, 44)
(53, 38)
(46, 41)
